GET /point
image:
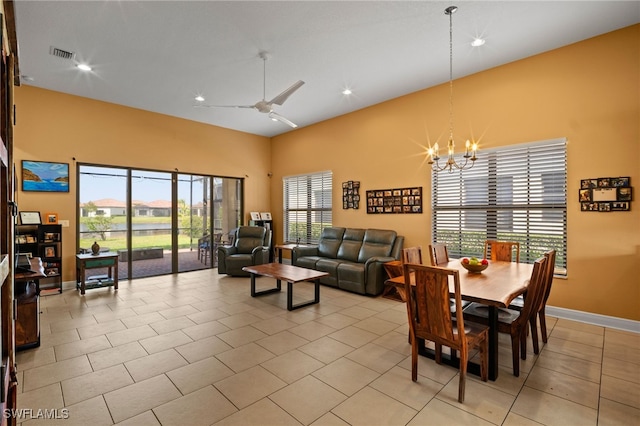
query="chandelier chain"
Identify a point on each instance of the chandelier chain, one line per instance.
(470, 148)
(451, 74)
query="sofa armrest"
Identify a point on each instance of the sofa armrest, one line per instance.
(375, 274)
(301, 251)
(260, 255)
(223, 252)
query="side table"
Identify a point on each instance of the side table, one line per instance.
(392, 291)
(102, 260)
(288, 247)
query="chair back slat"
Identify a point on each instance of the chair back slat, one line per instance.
(502, 250)
(438, 253)
(535, 290)
(429, 304)
(412, 255)
(551, 264)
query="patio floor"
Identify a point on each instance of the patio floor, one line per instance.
(187, 261)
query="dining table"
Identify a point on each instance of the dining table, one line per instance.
(495, 287)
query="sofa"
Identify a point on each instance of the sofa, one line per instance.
(352, 257)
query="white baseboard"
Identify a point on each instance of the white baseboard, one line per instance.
(595, 319)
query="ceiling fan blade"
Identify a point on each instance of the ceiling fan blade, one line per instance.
(279, 100)
(275, 116)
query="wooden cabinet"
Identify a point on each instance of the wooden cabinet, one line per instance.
(27, 315)
(45, 242)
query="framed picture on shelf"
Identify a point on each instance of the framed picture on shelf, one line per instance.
(51, 218)
(265, 216)
(255, 216)
(44, 176)
(30, 218)
(50, 251)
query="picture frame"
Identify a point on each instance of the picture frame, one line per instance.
(49, 251)
(45, 176)
(30, 218)
(351, 195)
(51, 218)
(624, 194)
(609, 194)
(265, 216)
(398, 200)
(255, 215)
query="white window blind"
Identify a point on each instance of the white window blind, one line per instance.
(307, 206)
(514, 193)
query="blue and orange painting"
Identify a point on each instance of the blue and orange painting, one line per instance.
(45, 176)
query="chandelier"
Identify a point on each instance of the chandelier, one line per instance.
(470, 147)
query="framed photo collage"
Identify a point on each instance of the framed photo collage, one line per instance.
(605, 194)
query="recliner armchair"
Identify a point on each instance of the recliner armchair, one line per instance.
(251, 247)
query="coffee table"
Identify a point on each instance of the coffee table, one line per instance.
(289, 273)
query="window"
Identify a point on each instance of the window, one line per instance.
(307, 206)
(516, 193)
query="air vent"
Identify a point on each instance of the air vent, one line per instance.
(64, 54)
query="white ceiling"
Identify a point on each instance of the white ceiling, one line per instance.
(157, 55)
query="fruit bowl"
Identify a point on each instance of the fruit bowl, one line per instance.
(475, 268)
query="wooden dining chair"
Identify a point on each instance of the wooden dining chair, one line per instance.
(430, 319)
(412, 255)
(438, 253)
(518, 303)
(515, 322)
(502, 250)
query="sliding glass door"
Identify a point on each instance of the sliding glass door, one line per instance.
(158, 222)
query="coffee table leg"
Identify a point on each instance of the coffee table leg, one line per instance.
(255, 292)
(316, 299)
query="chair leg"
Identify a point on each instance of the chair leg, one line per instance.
(515, 354)
(543, 325)
(484, 360)
(534, 334)
(463, 374)
(414, 360)
(523, 343)
(438, 353)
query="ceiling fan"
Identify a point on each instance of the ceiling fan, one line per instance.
(263, 105)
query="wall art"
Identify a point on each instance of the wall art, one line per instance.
(351, 194)
(398, 200)
(605, 194)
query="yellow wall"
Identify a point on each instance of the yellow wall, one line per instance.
(588, 92)
(56, 127)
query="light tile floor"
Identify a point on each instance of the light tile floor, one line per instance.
(195, 349)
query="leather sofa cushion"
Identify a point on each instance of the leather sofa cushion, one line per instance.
(308, 261)
(330, 266)
(351, 277)
(249, 237)
(377, 242)
(351, 243)
(330, 240)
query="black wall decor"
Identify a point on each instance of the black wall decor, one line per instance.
(399, 200)
(351, 195)
(605, 194)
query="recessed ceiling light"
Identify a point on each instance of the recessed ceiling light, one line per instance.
(347, 92)
(477, 42)
(84, 67)
(199, 98)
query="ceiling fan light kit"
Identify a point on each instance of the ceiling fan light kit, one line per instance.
(264, 106)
